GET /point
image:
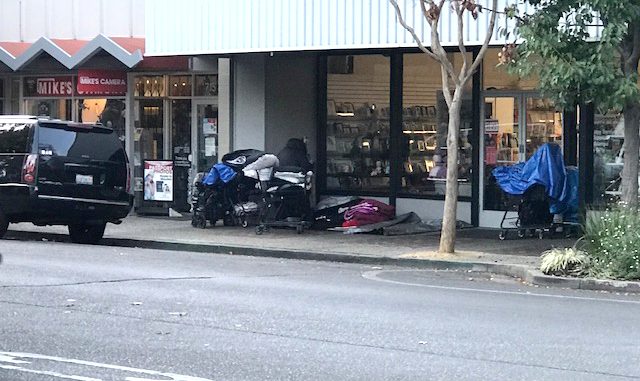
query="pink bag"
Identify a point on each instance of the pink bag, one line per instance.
(368, 212)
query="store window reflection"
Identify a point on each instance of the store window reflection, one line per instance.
(608, 139)
(358, 123)
(53, 108)
(544, 124)
(425, 125)
(501, 144)
(108, 112)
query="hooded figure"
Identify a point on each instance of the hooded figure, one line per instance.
(294, 154)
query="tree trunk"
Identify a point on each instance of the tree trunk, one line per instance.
(631, 147)
(449, 218)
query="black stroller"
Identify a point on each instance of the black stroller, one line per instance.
(225, 193)
(284, 195)
(247, 187)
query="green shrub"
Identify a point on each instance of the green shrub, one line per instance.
(612, 241)
(564, 262)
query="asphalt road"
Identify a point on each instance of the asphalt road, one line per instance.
(87, 313)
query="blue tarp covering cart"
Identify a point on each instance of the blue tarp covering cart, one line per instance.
(539, 189)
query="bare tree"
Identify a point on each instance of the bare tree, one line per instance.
(453, 84)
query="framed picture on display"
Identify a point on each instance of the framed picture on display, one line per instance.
(348, 108)
(331, 107)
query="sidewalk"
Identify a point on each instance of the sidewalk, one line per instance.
(477, 249)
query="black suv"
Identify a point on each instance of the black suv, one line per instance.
(62, 173)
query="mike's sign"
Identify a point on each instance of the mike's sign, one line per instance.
(48, 87)
(102, 82)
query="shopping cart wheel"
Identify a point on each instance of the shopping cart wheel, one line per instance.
(503, 235)
(522, 233)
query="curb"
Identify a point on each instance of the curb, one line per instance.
(525, 273)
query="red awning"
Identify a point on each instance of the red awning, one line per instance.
(72, 53)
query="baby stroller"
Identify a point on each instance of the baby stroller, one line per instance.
(224, 193)
(542, 191)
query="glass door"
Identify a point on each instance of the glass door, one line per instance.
(501, 146)
(181, 152)
(206, 124)
(514, 127)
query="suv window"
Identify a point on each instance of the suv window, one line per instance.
(94, 143)
(14, 137)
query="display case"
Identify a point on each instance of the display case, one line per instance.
(425, 133)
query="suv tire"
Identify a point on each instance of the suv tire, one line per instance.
(4, 224)
(89, 234)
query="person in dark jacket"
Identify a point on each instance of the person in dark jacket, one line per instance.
(294, 154)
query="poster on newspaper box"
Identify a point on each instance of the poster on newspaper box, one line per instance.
(158, 180)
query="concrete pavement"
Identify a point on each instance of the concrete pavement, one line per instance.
(477, 249)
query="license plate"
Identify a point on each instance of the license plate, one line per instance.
(84, 179)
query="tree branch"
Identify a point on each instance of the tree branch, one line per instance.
(436, 46)
(465, 60)
(485, 45)
(413, 33)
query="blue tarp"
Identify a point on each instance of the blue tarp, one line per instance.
(545, 167)
(219, 172)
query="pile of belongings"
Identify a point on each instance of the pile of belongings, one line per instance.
(355, 215)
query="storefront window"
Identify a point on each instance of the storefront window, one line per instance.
(544, 124)
(49, 96)
(15, 96)
(425, 125)
(180, 85)
(206, 86)
(109, 112)
(148, 131)
(149, 86)
(53, 108)
(608, 137)
(358, 123)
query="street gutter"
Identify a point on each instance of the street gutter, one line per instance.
(528, 274)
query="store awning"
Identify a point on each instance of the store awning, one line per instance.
(72, 53)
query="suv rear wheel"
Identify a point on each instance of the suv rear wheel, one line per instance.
(4, 224)
(83, 233)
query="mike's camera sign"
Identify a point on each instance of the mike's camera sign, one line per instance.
(102, 82)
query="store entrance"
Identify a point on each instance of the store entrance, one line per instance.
(514, 126)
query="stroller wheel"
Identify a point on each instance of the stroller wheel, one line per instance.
(259, 229)
(522, 233)
(244, 223)
(199, 221)
(228, 220)
(503, 235)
